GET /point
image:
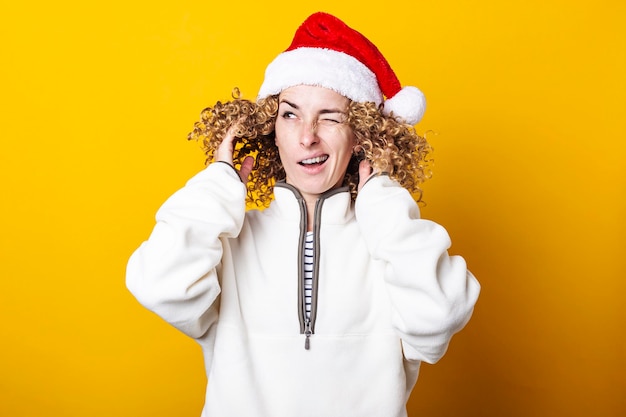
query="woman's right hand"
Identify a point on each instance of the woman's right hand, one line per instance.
(224, 153)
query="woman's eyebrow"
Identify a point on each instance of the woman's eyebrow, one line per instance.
(327, 111)
(289, 103)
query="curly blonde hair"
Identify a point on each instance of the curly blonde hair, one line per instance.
(391, 146)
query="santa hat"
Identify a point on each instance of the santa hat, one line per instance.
(326, 52)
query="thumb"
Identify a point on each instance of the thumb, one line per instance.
(246, 168)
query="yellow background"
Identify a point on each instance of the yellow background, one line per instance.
(527, 99)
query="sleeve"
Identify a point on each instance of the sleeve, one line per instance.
(432, 293)
(174, 272)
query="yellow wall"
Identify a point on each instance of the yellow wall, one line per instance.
(527, 99)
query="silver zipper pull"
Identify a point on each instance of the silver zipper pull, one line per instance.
(307, 333)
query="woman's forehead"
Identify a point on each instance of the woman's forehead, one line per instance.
(313, 96)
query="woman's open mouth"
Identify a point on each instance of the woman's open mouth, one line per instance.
(318, 160)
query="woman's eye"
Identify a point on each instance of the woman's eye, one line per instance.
(288, 115)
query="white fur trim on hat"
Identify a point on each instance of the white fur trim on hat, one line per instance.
(324, 68)
(409, 104)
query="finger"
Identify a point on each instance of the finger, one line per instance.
(365, 168)
(246, 168)
(365, 171)
(224, 152)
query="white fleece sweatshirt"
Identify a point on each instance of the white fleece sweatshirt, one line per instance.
(386, 296)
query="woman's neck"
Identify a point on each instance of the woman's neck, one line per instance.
(310, 212)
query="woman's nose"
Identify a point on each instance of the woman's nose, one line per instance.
(308, 135)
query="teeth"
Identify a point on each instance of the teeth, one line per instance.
(316, 160)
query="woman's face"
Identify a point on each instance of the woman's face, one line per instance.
(313, 138)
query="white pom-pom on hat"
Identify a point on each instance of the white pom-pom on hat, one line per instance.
(409, 103)
(327, 53)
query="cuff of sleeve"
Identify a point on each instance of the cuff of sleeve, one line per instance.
(232, 168)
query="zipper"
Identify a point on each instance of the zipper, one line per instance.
(307, 333)
(307, 324)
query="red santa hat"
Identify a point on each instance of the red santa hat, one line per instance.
(326, 52)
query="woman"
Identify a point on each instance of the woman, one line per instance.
(326, 302)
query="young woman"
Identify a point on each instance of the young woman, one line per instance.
(325, 302)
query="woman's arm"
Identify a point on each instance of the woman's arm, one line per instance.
(432, 294)
(173, 273)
